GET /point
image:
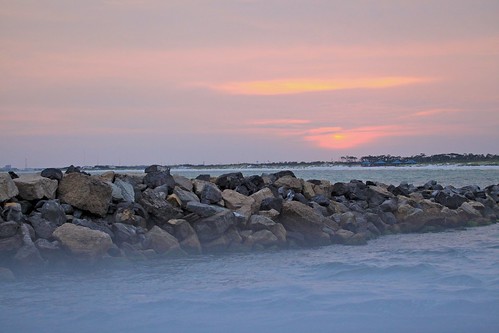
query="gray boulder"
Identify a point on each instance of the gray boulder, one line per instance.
(161, 241)
(82, 241)
(210, 194)
(52, 211)
(213, 227)
(159, 210)
(203, 210)
(8, 229)
(86, 193)
(127, 191)
(43, 228)
(8, 188)
(52, 173)
(297, 217)
(260, 222)
(34, 187)
(158, 178)
(184, 196)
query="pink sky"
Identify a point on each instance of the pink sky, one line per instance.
(180, 81)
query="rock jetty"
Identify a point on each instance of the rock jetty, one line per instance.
(54, 217)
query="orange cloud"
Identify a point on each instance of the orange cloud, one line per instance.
(297, 86)
(433, 112)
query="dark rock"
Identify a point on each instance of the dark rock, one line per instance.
(43, 228)
(389, 205)
(210, 194)
(99, 225)
(157, 168)
(73, 169)
(9, 246)
(254, 183)
(204, 177)
(300, 198)
(124, 233)
(13, 212)
(52, 173)
(213, 227)
(284, 173)
(243, 190)
(86, 193)
(28, 255)
(204, 210)
(183, 182)
(8, 229)
(450, 199)
(53, 212)
(340, 189)
(159, 210)
(321, 200)
(272, 203)
(157, 178)
(13, 175)
(49, 250)
(230, 180)
(184, 196)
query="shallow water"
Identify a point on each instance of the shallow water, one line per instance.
(418, 175)
(444, 282)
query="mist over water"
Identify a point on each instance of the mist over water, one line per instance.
(444, 282)
(441, 282)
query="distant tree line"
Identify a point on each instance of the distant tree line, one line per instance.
(421, 158)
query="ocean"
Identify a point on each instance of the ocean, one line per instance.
(433, 282)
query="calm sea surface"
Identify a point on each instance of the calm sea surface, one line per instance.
(443, 282)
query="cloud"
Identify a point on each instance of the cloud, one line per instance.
(432, 112)
(297, 86)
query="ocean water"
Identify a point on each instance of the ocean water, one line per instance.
(438, 282)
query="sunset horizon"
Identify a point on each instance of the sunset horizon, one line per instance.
(143, 82)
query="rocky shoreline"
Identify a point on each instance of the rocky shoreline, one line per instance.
(51, 217)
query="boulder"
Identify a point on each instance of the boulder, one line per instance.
(127, 191)
(272, 203)
(159, 210)
(161, 241)
(8, 229)
(158, 178)
(203, 210)
(8, 188)
(124, 233)
(82, 241)
(157, 168)
(52, 173)
(99, 225)
(9, 245)
(107, 176)
(86, 193)
(210, 194)
(260, 222)
(185, 233)
(297, 217)
(280, 232)
(289, 182)
(450, 199)
(235, 200)
(265, 238)
(230, 180)
(127, 215)
(271, 214)
(43, 228)
(213, 227)
(183, 182)
(13, 211)
(34, 187)
(264, 193)
(184, 196)
(53, 212)
(28, 255)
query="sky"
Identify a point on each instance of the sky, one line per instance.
(134, 82)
